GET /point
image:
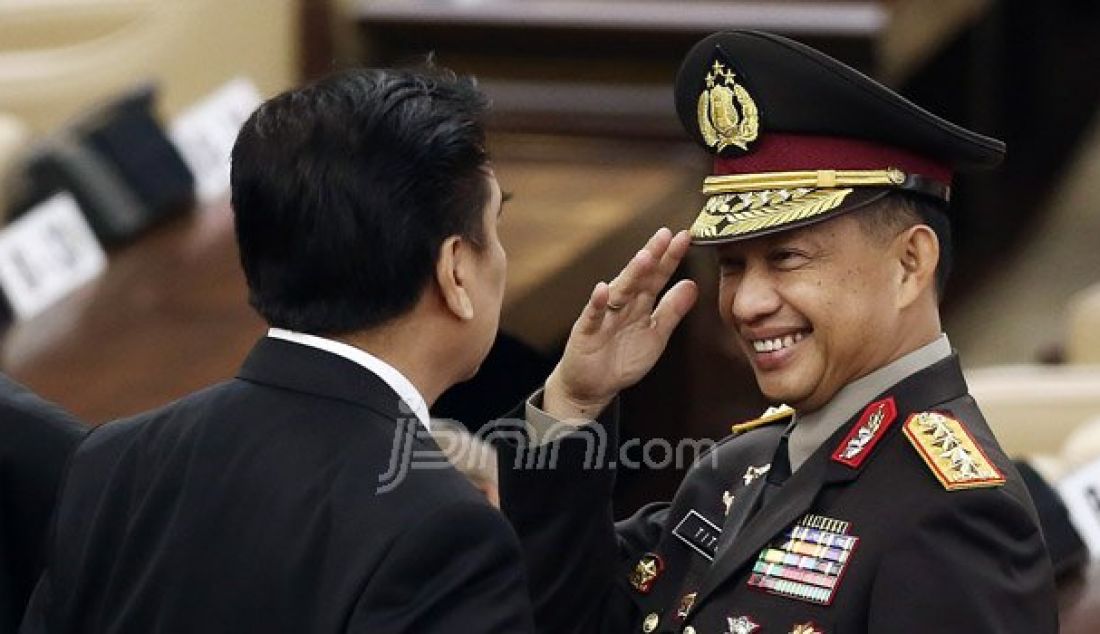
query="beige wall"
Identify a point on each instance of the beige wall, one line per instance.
(59, 56)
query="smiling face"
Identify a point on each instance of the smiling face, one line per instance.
(814, 308)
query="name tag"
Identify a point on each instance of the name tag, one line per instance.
(1080, 492)
(206, 132)
(699, 533)
(46, 254)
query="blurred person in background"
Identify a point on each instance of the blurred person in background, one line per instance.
(36, 440)
(366, 213)
(472, 456)
(879, 501)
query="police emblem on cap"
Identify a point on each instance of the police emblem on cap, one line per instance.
(727, 114)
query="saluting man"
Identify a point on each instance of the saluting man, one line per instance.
(876, 499)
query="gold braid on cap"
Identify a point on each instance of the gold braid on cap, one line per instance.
(741, 204)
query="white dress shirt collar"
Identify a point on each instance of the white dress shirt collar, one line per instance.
(389, 374)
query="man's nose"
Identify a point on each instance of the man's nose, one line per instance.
(755, 297)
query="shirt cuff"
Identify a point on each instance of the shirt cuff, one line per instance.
(542, 428)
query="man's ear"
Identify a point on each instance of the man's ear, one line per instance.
(451, 275)
(918, 252)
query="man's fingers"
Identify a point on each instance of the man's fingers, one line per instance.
(674, 254)
(673, 306)
(658, 243)
(633, 279)
(592, 316)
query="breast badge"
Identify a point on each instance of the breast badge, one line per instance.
(686, 603)
(807, 561)
(806, 628)
(951, 452)
(646, 571)
(741, 625)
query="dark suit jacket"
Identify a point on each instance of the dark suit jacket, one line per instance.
(927, 559)
(255, 506)
(36, 440)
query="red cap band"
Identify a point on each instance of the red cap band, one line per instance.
(795, 152)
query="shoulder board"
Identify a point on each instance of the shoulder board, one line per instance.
(772, 415)
(951, 452)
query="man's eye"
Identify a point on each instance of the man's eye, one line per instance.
(787, 258)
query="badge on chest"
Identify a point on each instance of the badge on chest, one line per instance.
(807, 561)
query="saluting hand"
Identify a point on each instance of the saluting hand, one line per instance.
(620, 335)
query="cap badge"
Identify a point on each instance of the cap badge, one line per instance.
(727, 113)
(646, 571)
(952, 454)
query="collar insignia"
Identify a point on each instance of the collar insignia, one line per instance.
(646, 571)
(952, 454)
(753, 473)
(727, 113)
(865, 434)
(771, 415)
(741, 625)
(807, 561)
(727, 501)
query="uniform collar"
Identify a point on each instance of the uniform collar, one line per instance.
(390, 375)
(809, 431)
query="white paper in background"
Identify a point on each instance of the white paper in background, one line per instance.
(1081, 493)
(46, 254)
(204, 135)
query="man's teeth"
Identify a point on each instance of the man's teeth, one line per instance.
(778, 343)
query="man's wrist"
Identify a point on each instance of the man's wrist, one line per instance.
(568, 408)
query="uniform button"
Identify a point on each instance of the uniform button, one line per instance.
(650, 622)
(689, 630)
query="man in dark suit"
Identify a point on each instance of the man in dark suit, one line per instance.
(301, 496)
(36, 440)
(879, 501)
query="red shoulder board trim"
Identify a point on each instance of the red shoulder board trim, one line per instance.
(865, 434)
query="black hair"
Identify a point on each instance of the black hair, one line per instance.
(343, 192)
(900, 210)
